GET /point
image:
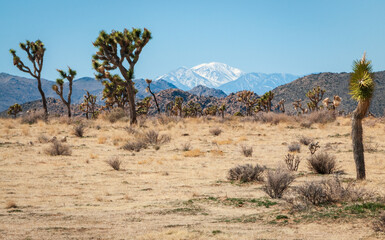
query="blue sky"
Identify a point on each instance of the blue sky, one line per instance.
(290, 36)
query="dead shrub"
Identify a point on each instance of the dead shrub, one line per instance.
(322, 116)
(292, 162)
(247, 151)
(216, 131)
(186, 146)
(134, 146)
(330, 191)
(246, 173)
(322, 163)
(313, 147)
(379, 225)
(58, 148)
(152, 137)
(277, 182)
(115, 115)
(79, 130)
(294, 147)
(305, 140)
(43, 139)
(114, 163)
(32, 117)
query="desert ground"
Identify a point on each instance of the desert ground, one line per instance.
(165, 192)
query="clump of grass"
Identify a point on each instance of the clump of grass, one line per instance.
(292, 162)
(305, 140)
(11, 204)
(58, 148)
(134, 146)
(193, 153)
(294, 147)
(114, 163)
(247, 151)
(79, 130)
(330, 191)
(246, 173)
(277, 182)
(379, 224)
(43, 139)
(186, 146)
(216, 131)
(153, 137)
(322, 163)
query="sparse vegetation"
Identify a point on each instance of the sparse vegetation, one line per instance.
(215, 131)
(322, 163)
(134, 145)
(247, 151)
(305, 140)
(292, 162)
(57, 148)
(277, 181)
(114, 163)
(379, 224)
(152, 137)
(246, 173)
(294, 147)
(186, 146)
(79, 130)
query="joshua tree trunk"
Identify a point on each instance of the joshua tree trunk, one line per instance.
(156, 102)
(131, 102)
(358, 147)
(42, 97)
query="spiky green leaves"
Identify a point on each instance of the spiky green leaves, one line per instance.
(361, 80)
(14, 109)
(35, 52)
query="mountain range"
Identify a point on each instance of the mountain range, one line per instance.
(226, 78)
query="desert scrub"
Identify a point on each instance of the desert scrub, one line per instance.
(277, 182)
(215, 131)
(294, 147)
(134, 145)
(58, 148)
(246, 173)
(292, 162)
(114, 163)
(322, 163)
(247, 151)
(79, 130)
(153, 137)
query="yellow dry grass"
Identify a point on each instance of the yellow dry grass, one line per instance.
(165, 193)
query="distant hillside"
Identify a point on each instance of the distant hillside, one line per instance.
(207, 92)
(335, 84)
(15, 89)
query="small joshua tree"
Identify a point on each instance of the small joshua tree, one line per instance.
(192, 109)
(149, 81)
(35, 51)
(114, 92)
(222, 110)
(144, 106)
(211, 110)
(281, 105)
(298, 106)
(116, 48)
(14, 110)
(88, 105)
(361, 88)
(249, 99)
(58, 87)
(332, 105)
(264, 103)
(178, 105)
(315, 96)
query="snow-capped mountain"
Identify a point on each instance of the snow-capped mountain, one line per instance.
(208, 74)
(258, 82)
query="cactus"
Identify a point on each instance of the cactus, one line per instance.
(58, 87)
(361, 88)
(14, 110)
(88, 106)
(113, 50)
(315, 96)
(249, 99)
(35, 51)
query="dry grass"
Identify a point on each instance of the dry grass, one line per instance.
(171, 196)
(114, 163)
(215, 131)
(247, 151)
(56, 148)
(322, 163)
(247, 173)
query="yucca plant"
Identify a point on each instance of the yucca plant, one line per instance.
(361, 88)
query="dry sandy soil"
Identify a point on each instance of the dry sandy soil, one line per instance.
(169, 193)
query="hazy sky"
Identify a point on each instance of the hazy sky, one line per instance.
(290, 36)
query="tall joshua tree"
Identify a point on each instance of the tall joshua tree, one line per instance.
(361, 88)
(58, 87)
(116, 48)
(35, 52)
(114, 93)
(149, 81)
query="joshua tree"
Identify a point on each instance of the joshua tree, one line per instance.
(222, 110)
(249, 99)
(114, 93)
(14, 110)
(298, 106)
(88, 105)
(35, 51)
(178, 105)
(59, 87)
(144, 106)
(212, 110)
(264, 103)
(169, 108)
(332, 105)
(315, 96)
(192, 109)
(281, 105)
(148, 81)
(361, 88)
(116, 48)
